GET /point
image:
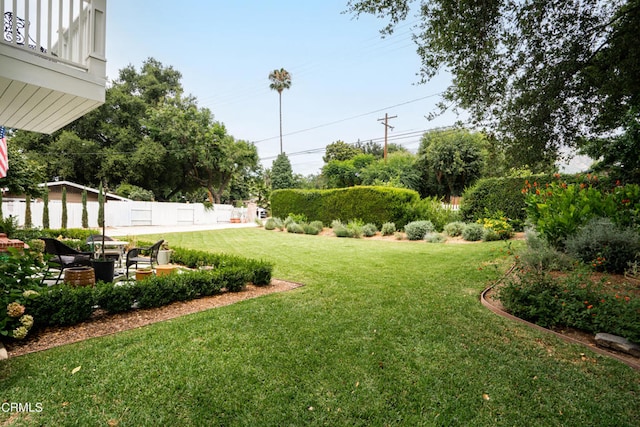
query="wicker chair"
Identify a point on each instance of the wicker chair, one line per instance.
(62, 256)
(137, 256)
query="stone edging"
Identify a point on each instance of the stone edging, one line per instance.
(568, 339)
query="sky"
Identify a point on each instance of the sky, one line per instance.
(345, 76)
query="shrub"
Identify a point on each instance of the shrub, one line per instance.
(19, 283)
(115, 297)
(398, 235)
(369, 230)
(473, 232)
(574, 301)
(369, 203)
(62, 305)
(355, 228)
(236, 278)
(317, 224)
(496, 228)
(605, 246)
(540, 255)
(454, 229)
(270, 224)
(432, 209)
(294, 227)
(340, 230)
(417, 230)
(310, 229)
(388, 228)
(434, 238)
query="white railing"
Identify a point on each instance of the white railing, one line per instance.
(72, 32)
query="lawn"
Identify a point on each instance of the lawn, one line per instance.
(382, 333)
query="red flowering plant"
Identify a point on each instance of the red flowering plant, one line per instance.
(20, 274)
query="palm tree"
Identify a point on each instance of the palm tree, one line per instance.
(280, 80)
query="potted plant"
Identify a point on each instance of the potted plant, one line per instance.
(164, 254)
(104, 268)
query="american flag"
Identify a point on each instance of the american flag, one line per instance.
(4, 160)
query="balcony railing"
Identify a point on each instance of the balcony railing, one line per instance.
(71, 32)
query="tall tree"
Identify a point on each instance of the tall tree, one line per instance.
(540, 74)
(280, 80)
(450, 160)
(340, 150)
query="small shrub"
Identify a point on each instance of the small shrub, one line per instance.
(496, 229)
(341, 230)
(473, 232)
(355, 228)
(310, 229)
(236, 278)
(388, 228)
(61, 305)
(369, 230)
(454, 229)
(317, 224)
(434, 238)
(541, 255)
(270, 224)
(115, 297)
(294, 227)
(398, 235)
(604, 246)
(417, 230)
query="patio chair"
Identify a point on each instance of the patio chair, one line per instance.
(62, 256)
(137, 256)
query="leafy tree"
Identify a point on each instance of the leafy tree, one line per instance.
(450, 161)
(399, 171)
(539, 74)
(24, 174)
(377, 150)
(340, 150)
(280, 80)
(281, 173)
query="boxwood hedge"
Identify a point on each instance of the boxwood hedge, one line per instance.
(370, 204)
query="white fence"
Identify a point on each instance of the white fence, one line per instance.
(125, 214)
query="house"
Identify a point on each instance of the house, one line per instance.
(53, 62)
(74, 193)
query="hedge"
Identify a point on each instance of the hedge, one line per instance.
(375, 205)
(63, 304)
(490, 195)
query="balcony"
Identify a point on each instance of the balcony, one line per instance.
(53, 62)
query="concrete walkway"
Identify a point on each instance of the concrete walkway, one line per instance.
(160, 229)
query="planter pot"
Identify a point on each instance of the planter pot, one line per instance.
(164, 256)
(79, 276)
(143, 274)
(104, 269)
(164, 270)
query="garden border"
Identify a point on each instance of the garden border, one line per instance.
(500, 312)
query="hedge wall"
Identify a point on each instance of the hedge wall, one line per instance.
(370, 204)
(489, 195)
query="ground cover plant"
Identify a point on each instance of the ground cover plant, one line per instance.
(381, 334)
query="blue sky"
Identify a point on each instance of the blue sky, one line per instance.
(344, 75)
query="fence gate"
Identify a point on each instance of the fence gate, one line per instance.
(186, 216)
(141, 216)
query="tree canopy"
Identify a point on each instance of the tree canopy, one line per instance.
(148, 135)
(539, 74)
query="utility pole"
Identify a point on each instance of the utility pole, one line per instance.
(386, 130)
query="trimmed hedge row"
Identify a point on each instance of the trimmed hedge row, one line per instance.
(369, 204)
(64, 305)
(490, 195)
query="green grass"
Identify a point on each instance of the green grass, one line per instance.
(383, 333)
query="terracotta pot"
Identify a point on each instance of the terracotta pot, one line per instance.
(143, 274)
(164, 270)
